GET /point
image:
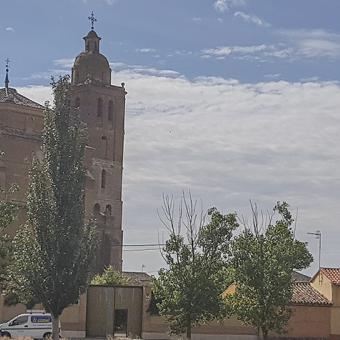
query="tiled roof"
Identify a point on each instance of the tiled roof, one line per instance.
(333, 274)
(12, 96)
(300, 277)
(139, 278)
(305, 294)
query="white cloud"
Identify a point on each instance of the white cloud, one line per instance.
(250, 49)
(228, 142)
(220, 5)
(156, 72)
(272, 75)
(118, 66)
(37, 93)
(293, 50)
(64, 62)
(302, 34)
(225, 51)
(197, 20)
(225, 5)
(109, 2)
(46, 75)
(9, 29)
(146, 50)
(140, 69)
(182, 52)
(310, 79)
(251, 18)
(280, 51)
(296, 45)
(313, 43)
(319, 48)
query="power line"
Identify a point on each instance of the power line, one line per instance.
(140, 245)
(145, 249)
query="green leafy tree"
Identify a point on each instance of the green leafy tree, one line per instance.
(54, 250)
(154, 303)
(8, 211)
(111, 277)
(13, 295)
(264, 257)
(189, 290)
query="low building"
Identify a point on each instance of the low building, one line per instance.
(124, 310)
(315, 305)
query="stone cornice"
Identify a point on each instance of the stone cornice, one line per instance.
(11, 132)
(21, 109)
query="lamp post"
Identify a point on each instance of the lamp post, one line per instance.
(317, 235)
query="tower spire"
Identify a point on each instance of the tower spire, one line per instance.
(6, 78)
(93, 20)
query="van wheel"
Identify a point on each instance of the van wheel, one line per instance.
(47, 336)
(6, 335)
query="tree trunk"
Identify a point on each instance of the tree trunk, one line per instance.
(264, 333)
(55, 327)
(189, 331)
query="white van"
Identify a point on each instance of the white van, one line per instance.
(33, 325)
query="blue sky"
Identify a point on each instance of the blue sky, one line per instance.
(232, 99)
(249, 40)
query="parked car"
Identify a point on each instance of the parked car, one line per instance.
(33, 325)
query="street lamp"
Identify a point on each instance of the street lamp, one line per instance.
(317, 235)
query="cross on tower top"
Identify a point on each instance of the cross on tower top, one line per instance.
(7, 69)
(93, 20)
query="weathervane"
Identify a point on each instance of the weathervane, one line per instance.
(93, 20)
(7, 69)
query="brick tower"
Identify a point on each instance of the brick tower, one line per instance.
(102, 108)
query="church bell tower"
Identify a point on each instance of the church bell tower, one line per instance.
(102, 108)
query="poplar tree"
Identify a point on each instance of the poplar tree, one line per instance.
(7, 214)
(54, 250)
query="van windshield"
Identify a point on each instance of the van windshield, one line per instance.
(19, 320)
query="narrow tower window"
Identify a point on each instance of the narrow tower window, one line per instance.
(110, 111)
(76, 77)
(103, 181)
(106, 250)
(99, 107)
(108, 210)
(96, 209)
(104, 139)
(77, 102)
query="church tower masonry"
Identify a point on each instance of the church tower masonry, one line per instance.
(102, 108)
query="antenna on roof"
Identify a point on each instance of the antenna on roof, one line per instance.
(317, 235)
(6, 78)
